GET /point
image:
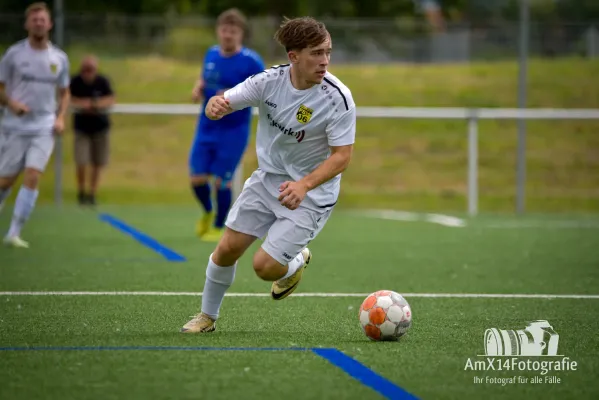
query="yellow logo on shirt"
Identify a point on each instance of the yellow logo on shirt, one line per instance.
(53, 68)
(304, 114)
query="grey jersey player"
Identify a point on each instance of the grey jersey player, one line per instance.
(34, 91)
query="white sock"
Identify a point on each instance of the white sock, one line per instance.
(24, 205)
(294, 265)
(218, 280)
(3, 195)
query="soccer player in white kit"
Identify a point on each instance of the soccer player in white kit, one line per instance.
(31, 73)
(304, 142)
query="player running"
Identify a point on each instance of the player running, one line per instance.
(219, 145)
(304, 142)
(31, 73)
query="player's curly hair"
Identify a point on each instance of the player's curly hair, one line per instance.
(299, 33)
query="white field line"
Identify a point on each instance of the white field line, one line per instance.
(543, 224)
(409, 295)
(455, 222)
(445, 220)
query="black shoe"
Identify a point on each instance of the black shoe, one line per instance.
(91, 200)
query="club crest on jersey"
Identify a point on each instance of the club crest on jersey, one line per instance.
(304, 114)
(53, 68)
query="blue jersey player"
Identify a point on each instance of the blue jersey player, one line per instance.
(218, 146)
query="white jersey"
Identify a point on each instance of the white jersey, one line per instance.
(296, 128)
(31, 77)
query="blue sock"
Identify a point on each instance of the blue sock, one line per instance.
(202, 193)
(223, 199)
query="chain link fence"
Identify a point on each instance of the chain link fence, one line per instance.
(355, 40)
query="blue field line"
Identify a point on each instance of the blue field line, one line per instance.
(142, 238)
(363, 374)
(350, 366)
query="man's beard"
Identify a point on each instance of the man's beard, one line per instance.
(39, 37)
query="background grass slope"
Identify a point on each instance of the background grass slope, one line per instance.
(404, 164)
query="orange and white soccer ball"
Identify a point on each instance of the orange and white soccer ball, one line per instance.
(385, 316)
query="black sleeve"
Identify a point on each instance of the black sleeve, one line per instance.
(106, 87)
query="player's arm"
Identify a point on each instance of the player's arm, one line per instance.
(5, 72)
(198, 90)
(3, 95)
(293, 193)
(64, 98)
(341, 134)
(244, 95)
(337, 162)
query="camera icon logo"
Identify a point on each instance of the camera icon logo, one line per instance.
(537, 339)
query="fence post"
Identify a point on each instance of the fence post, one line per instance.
(522, 94)
(238, 181)
(58, 145)
(473, 166)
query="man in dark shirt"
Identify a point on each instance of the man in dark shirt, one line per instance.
(91, 96)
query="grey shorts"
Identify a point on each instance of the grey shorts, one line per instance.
(258, 213)
(19, 151)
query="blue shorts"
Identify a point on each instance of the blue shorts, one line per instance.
(218, 156)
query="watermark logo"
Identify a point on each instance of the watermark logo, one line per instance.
(537, 339)
(532, 350)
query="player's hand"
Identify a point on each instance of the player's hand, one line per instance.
(292, 194)
(58, 126)
(196, 93)
(217, 107)
(18, 108)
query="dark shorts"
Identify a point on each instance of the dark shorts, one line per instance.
(92, 149)
(219, 158)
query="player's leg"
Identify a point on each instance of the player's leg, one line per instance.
(228, 156)
(249, 219)
(12, 159)
(99, 159)
(200, 159)
(6, 183)
(37, 156)
(284, 255)
(220, 274)
(82, 150)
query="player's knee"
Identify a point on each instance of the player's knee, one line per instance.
(222, 183)
(266, 267)
(199, 180)
(6, 182)
(31, 178)
(227, 252)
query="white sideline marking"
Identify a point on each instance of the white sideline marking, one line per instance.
(429, 295)
(544, 224)
(455, 222)
(445, 220)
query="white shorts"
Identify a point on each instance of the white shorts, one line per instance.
(20, 151)
(258, 213)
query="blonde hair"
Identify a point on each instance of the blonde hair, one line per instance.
(36, 7)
